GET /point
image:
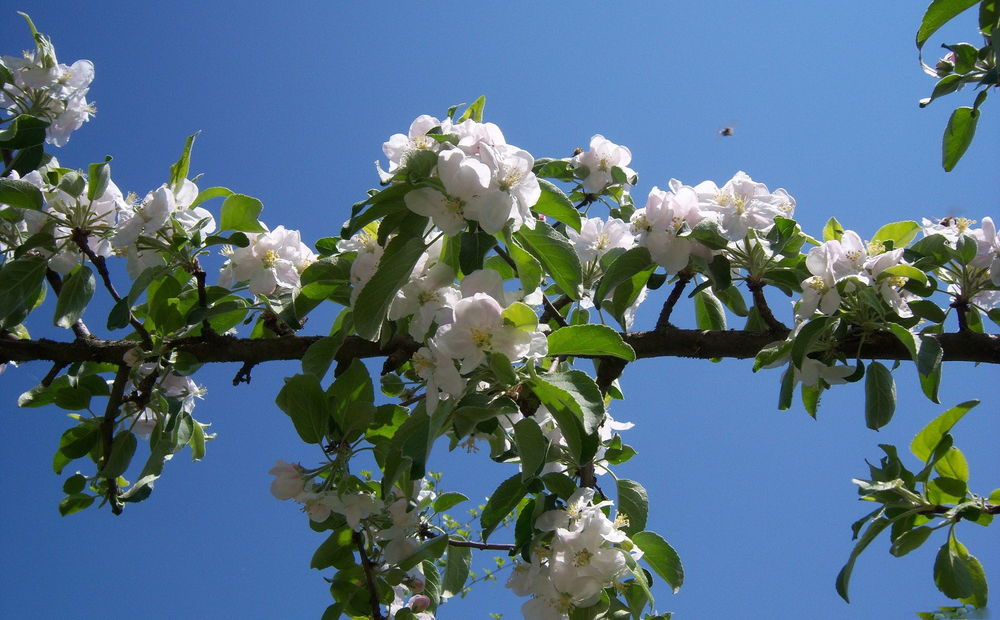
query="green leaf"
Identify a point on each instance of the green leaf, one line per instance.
(75, 503)
(23, 132)
(122, 449)
(503, 500)
(20, 194)
(448, 500)
(844, 576)
(197, 443)
(529, 270)
(74, 484)
(958, 136)
(628, 264)
(456, 572)
(951, 570)
(350, 392)
(303, 400)
(475, 110)
(708, 311)
(336, 550)
(589, 340)
(927, 309)
(209, 193)
(20, 281)
(179, 170)
(906, 271)
(532, 447)
(556, 255)
(474, 246)
(633, 501)
(77, 290)
(554, 203)
(927, 439)
(661, 557)
(559, 484)
(75, 443)
(430, 550)
(98, 177)
(938, 13)
(239, 212)
(910, 541)
(880, 396)
(584, 397)
(28, 159)
(318, 357)
(802, 344)
(393, 272)
(833, 230)
(953, 465)
(906, 337)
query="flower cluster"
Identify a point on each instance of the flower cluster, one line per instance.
(843, 266)
(579, 553)
(480, 178)
(41, 86)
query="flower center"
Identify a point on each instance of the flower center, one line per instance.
(480, 338)
(269, 258)
(582, 558)
(817, 284)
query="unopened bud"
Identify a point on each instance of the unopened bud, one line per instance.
(420, 603)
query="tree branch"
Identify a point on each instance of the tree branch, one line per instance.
(663, 322)
(702, 344)
(108, 432)
(80, 238)
(483, 546)
(760, 302)
(369, 568)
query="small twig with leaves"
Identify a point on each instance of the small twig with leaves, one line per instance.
(663, 321)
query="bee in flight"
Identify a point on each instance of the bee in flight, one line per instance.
(726, 131)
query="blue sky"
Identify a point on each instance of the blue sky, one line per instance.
(294, 101)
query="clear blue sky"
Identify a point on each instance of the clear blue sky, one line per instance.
(294, 101)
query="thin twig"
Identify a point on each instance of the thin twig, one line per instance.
(368, 567)
(502, 253)
(555, 306)
(663, 322)
(243, 374)
(108, 432)
(483, 546)
(51, 375)
(199, 277)
(79, 236)
(961, 307)
(552, 312)
(760, 302)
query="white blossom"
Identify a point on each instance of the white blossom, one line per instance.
(742, 204)
(599, 160)
(271, 262)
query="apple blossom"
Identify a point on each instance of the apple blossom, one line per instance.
(657, 225)
(288, 481)
(438, 370)
(270, 263)
(599, 160)
(479, 329)
(742, 204)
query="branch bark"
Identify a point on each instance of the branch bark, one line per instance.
(965, 346)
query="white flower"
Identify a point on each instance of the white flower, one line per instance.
(597, 237)
(743, 204)
(354, 506)
(272, 261)
(288, 481)
(427, 299)
(599, 159)
(438, 369)
(514, 183)
(479, 329)
(399, 145)
(657, 224)
(813, 371)
(988, 254)
(464, 178)
(820, 290)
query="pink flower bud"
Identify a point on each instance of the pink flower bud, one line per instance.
(419, 603)
(288, 480)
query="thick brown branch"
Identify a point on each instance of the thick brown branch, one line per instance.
(957, 347)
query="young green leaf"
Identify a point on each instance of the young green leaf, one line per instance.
(456, 572)
(958, 136)
(589, 340)
(556, 254)
(661, 557)
(927, 439)
(844, 576)
(880, 396)
(77, 290)
(554, 203)
(240, 212)
(531, 447)
(633, 502)
(393, 272)
(503, 500)
(20, 194)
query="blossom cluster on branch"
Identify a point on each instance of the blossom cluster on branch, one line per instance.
(502, 290)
